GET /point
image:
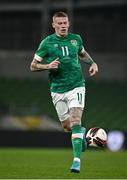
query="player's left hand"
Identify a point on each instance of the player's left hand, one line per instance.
(93, 69)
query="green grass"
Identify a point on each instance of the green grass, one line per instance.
(55, 164)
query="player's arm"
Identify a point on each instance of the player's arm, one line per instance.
(39, 55)
(85, 57)
(37, 66)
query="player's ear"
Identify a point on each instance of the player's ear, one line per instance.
(53, 25)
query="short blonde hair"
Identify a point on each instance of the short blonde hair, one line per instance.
(60, 14)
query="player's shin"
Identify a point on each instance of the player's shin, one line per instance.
(77, 138)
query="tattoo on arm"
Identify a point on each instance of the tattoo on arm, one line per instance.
(84, 56)
(37, 66)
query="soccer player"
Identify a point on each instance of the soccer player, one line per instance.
(62, 50)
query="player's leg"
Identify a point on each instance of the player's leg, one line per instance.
(77, 136)
(62, 110)
(73, 124)
(63, 114)
(77, 99)
(76, 106)
(71, 118)
(66, 125)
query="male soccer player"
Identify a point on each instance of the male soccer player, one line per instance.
(62, 51)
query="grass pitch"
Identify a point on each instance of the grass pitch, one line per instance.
(55, 164)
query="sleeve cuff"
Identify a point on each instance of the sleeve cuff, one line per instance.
(38, 58)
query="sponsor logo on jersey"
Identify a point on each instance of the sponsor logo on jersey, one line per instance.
(74, 42)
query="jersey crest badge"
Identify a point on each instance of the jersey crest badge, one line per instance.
(74, 42)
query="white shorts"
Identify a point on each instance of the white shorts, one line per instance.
(64, 101)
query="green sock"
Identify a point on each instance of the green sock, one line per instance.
(77, 137)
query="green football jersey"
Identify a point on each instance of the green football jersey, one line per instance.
(69, 73)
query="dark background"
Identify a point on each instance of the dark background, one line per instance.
(103, 28)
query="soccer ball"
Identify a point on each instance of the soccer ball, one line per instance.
(96, 137)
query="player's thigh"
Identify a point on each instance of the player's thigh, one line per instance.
(61, 106)
(76, 98)
(76, 103)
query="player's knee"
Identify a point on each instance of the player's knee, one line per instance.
(66, 125)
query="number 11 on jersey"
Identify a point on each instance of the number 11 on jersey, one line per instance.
(65, 50)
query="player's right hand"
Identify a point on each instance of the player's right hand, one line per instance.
(54, 64)
(93, 69)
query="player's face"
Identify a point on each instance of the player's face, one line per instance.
(61, 25)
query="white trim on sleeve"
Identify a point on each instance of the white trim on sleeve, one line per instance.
(38, 57)
(82, 51)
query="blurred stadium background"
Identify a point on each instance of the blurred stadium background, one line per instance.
(27, 115)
